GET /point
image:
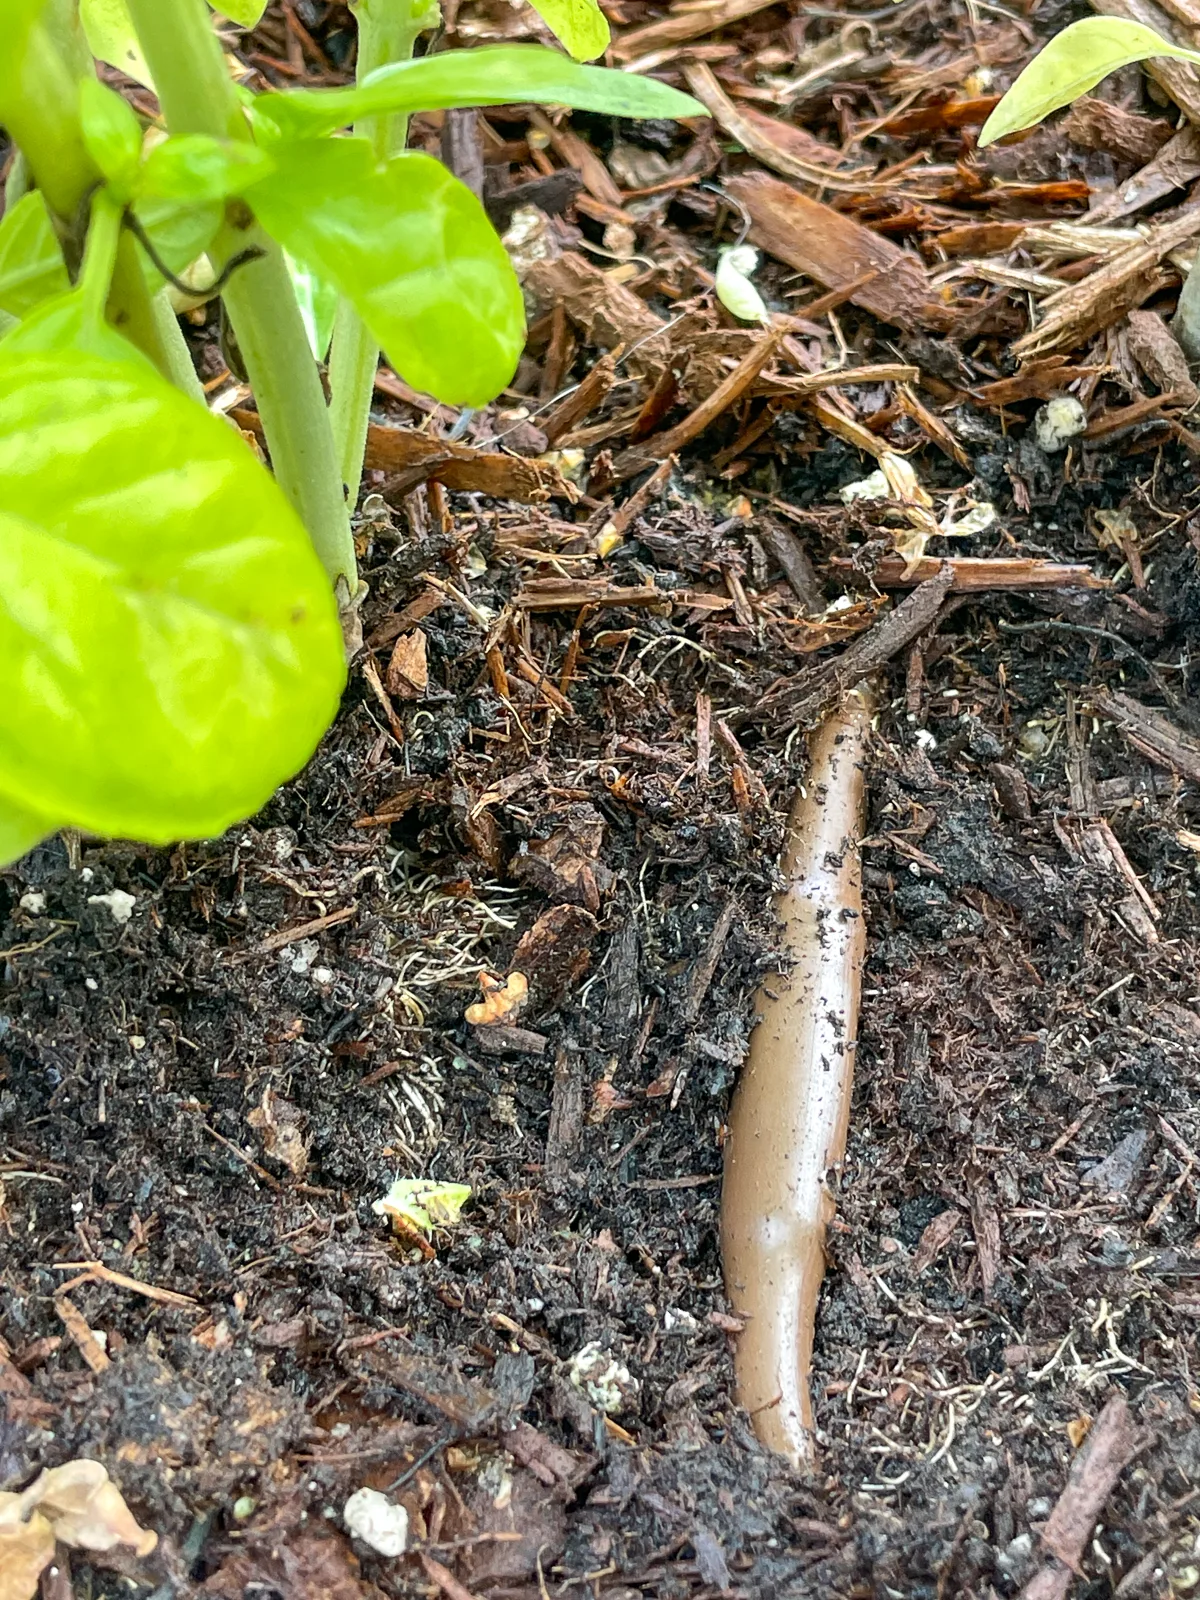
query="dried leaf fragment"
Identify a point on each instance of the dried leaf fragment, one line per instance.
(77, 1503)
(26, 1549)
(280, 1125)
(408, 670)
(500, 1000)
(87, 1510)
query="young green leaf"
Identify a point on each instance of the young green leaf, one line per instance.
(580, 25)
(68, 322)
(412, 249)
(318, 302)
(246, 13)
(111, 133)
(169, 644)
(1073, 62)
(180, 233)
(31, 263)
(196, 169)
(494, 75)
(20, 830)
(111, 37)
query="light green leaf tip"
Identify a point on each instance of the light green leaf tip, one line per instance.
(111, 37)
(1072, 63)
(580, 25)
(246, 13)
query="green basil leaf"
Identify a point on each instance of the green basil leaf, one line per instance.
(1073, 62)
(20, 830)
(111, 37)
(67, 324)
(196, 168)
(318, 302)
(169, 644)
(492, 76)
(31, 263)
(111, 134)
(180, 233)
(246, 13)
(412, 249)
(580, 25)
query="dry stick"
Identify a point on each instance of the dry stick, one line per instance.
(790, 1113)
(973, 573)
(630, 462)
(1111, 1445)
(703, 83)
(793, 707)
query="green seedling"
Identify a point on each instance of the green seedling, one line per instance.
(1074, 61)
(170, 640)
(423, 1203)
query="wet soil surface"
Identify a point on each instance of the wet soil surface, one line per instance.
(209, 1096)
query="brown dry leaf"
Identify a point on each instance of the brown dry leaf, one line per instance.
(302, 1567)
(26, 1548)
(567, 865)
(1078, 1429)
(280, 1125)
(500, 1000)
(87, 1510)
(408, 670)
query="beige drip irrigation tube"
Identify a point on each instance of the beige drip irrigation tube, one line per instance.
(790, 1113)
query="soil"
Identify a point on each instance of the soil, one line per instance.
(209, 1097)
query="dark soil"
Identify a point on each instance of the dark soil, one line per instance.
(209, 1097)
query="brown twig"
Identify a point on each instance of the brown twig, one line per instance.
(1114, 1441)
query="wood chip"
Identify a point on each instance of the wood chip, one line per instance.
(985, 1223)
(580, 156)
(1106, 295)
(834, 250)
(445, 1579)
(1174, 167)
(148, 1291)
(1113, 1442)
(82, 1337)
(640, 456)
(408, 669)
(689, 19)
(759, 137)
(971, 574)
(1151, 733)
(800, 705)
(412, 457)
(1095, 124)
(581, 400)
(606, 312)
(568, 594)
(1156, 350)
(303, 930)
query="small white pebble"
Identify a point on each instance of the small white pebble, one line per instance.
(120, 905)
(33, 901)
(1058, 422)
(322, 975)
(925, 739)
(86, 874)
(373, 1518)
(90, 983)
(304, 953)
